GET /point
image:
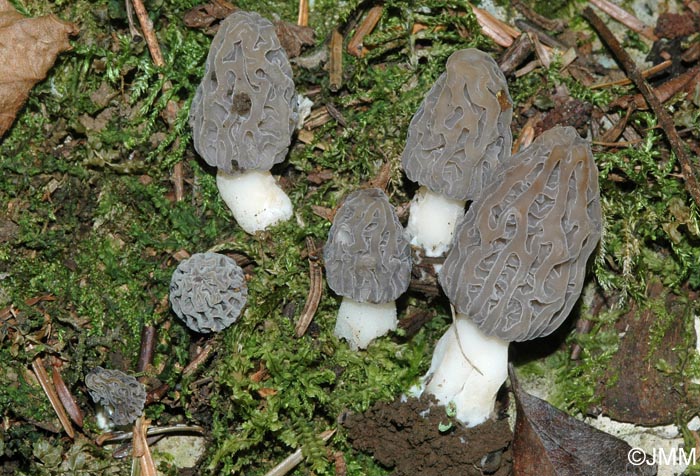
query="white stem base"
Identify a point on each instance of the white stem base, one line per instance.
(453, 375)
(254, 198)
(361, 323)
(432, 220)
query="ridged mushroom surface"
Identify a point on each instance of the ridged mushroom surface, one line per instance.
(245, 109)
(208, 292)
(120, 394)
(367, 255)
(461, 132)
(519, 257)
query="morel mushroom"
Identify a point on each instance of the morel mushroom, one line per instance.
(516, 268)
(121, 396)
(243, 116)
(208, 292)
(457, 138)
(368, 262)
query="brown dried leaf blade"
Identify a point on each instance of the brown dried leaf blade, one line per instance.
(28, 49)
(548, 442)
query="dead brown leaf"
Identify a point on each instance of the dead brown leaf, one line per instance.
(28, 49)
(548, 442)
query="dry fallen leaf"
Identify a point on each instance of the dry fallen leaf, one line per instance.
(28, 49)
(548, 442)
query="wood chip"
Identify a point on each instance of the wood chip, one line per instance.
(335, 62)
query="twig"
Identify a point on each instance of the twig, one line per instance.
(691, 182)
(355, 47)
(148, 341)
(335, 62)
(500, 32)
(43, 378)
(178, 182)
(516, 53)
(666, 91)
(555, 26)
(303, 19)
(626, 18)
(540, 34)
(293, 460)
(657, 68)
(157, 55)
(315, 289)
(149, 35)
(117, 436)
(198, 360)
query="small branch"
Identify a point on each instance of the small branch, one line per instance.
(623, 16)
(149, 35)
(315, 289)
(657, 68)
(199, 359)
(355, 47)
(691, 182)
(148, 342)
(117, 436)
(303, 19)
(293, 460)
(335, 62)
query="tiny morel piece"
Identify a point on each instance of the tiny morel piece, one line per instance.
(457, 138)
(516, 267)
(243, 115)
(368, 262)
(208, 292)
(121, 396)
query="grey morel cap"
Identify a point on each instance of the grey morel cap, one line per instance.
(367, 255)
(122, 396)
(208, 292)
(461, 132)
(245, 109)
(518, 260)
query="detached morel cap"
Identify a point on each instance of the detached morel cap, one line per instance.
(367, 256)
(461, 132)
(208, 292)
(120, 394)
(519, 257)
(244, 111)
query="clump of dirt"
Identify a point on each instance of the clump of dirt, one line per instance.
(407, 437)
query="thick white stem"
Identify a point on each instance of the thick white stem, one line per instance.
(432, 220)
(361, 323)
(467, 369)
(254, 198)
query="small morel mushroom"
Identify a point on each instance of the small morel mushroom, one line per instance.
(457, 138)
(516, 267)
(121, 396)
(368, 262)
(243, 115)
(208, 292)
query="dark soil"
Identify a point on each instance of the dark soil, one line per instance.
(406, 437)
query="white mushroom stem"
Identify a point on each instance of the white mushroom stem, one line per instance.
(432, 220)
(361, 323)
(255, 199)
(468, 369)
